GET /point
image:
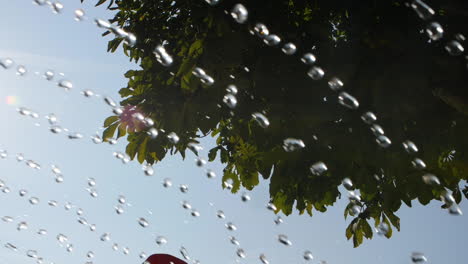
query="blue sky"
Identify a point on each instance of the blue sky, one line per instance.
(35, 37)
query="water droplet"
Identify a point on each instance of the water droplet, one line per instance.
(212, 2)
(161, 240)
(162, 56)
(115, 246)
(240, 253)
(232, 89)
(186, 205)
(119, 209)
(455, 210)
(335, 84)
(42, 232)
(308, 255)
(377, 130)
(23, 192)
(435, 31)
(69, 247)
(348, 100)
(184, 253)
(11, 246)
(21, 70)
(7, 219)
(148, 169)
(272, 40)
(131, 39)
(57, 7)
(418, 257)
(283, 239)
(68, 206)
(92, 227)
(239, 13)
(67, 85)
(56, 129)
(289, 48)
(143, 222)
(308, 58)
(352, 196)
(292, 144)
(430, 179)
(234, 241)
(33, 200)
(183, 188)
(261, 119)
(167, 183)
(6, 189)
(31, 253)
(278, 220)
(383, 141)
(454, 48)
(318, 168)
(418, 164)
(230, 226)
(261, 30)
(271, 207)
(102, 23)
(422, 9)
(96, 139)
(195, 213)
(410, 147)
(369, 118)
(142, 255)
(52, 119)
(22, 226)
(347, 183)
(173, 138)
(6, 63)
(230, 100)
(82, 221)
(3, 155)
(220, 214)
(316, 73)
(90, 254)
(52, 203)
(105, 237)
(210, 174)
(79, 14)
(245, 197)
(126, 250)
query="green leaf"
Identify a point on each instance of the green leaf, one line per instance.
(389, 233)
(110, 120)
(366, 228)
(395, 220)
(212, 153)
(109, 132)
(122, 131)
(100, 2)
(142, 150)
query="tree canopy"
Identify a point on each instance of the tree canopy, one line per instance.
(378, 49)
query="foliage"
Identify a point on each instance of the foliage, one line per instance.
(414, 87)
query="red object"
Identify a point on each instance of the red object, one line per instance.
(164, 259)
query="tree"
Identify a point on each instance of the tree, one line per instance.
(416, 89)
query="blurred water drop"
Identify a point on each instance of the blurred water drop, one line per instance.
(173, 138)
(272, 40)
(102, 23)
(289, 48)
(271, 207)
(33, 200)
(22, 226)
(7, 219)
(19, 157)
(31, 253)
(52, 203)
(6, 63)
(119, 209)
(455, 210)
(6, 189)
(418, 257)
(347, 183)
(261, 119)
(82, 221)
(93, 193)
(186, 205)
(96, 139)
(430, 179)
(410, 147)
(435, 31)
(454, 48)
(105, 237)
(143, 222)
(68, 206)
(348, 100)
(91, 182)
(230, 226)
(232, 89)
(52, 119)
(278, 220)
(245, 197)
(369, 118)
(308, 58)
(210, 174)
(212, 2)
(79, 14)
(21, 70)
(162, 56)
(92, 228)
(69, 247)
(318, 168)
(261, 30)
(90, 254)
(335, 84)
(239, 13)
(57, 7)
(383, 229)
(316, 73)
(240, 253)
(121, 199)
(195, 213)
(283, 239)
(167, 183)
(234, 241)
(56, 129)
(131, 39)
(292, 144)
(3, 155)
(383, 141)
(148, 169)
(49, 75)
(142, 255)
(161, 240)
(42, 232)
(184, 253)
(79, 211)
(220, 214)
(115, 247)
(377, 130)
(422, 9)
(418, 164)
(67, 85)
(230, 100)
(126, 250)
(308, 255)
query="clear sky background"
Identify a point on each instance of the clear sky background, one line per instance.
(35, 37)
